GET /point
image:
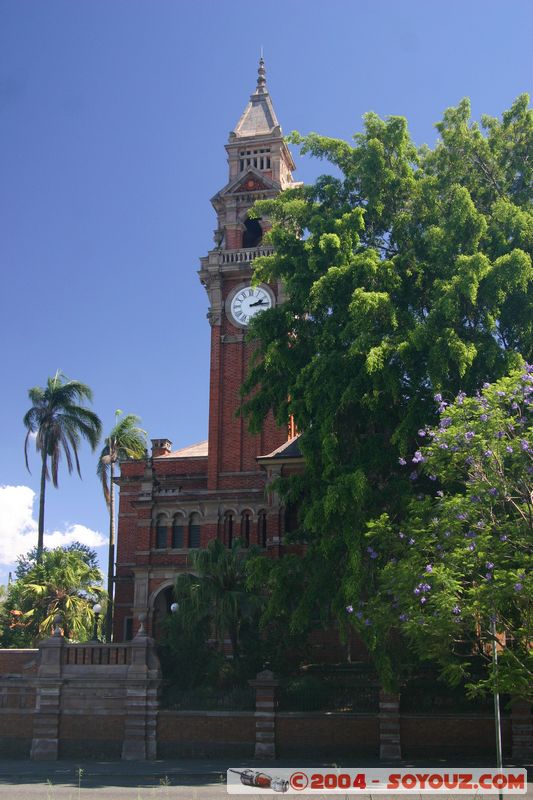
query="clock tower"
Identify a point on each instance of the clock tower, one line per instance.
(174, 502)
(260, 166)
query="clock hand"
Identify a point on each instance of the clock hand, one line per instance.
(258, 303)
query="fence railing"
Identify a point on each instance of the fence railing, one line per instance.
(328, 696)
(208, 699)
(246, 255)
(97, 654)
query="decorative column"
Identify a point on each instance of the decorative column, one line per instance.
(390, 747)
(265, 685)
(142, 685)
(45, 742)
(522, 730)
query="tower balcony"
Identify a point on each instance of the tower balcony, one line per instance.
(245, 255)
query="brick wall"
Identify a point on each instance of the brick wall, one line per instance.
(17, 662)
(204, 734)
(441, 736)
(326, 735)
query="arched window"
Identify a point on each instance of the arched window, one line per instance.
(194, 531)
(253, 233)
(246, 526)
(161, 532)
(291, 520)
(262, 529)
(228, 528)
(177, 532)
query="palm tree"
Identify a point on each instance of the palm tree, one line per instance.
(218, 592)
(59, 423)
(61, 582)
(126, 440)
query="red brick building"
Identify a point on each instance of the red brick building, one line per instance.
(178, 500)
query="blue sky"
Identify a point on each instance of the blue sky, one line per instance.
(113, 119)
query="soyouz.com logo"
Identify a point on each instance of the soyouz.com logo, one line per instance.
(324, 780)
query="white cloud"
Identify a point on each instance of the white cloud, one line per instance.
(18, 528)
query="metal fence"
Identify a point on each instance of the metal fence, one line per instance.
(206, 698)
(328, 695)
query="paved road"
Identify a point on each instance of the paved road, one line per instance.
(163, 780)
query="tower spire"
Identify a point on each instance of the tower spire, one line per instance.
(261, 76)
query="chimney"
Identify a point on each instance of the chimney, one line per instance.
(161, 447)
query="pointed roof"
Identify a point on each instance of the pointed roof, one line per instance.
(259, 117)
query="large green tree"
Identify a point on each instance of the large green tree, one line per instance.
(60, 581)
(408, 273)
(59, 420)
(126, 440)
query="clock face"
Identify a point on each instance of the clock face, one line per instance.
(249, 301)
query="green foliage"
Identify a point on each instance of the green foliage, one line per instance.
(126, 440)
(214, 601)
(464, 554)
(63, 581)
(408, 275)
(59, 421)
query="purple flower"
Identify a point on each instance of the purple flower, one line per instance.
(349, 609)
(469, 461)
(411, 541)
(429, 568)
(432, 477)
(472, 547)
(401, 535)
(469, 435)
(443, 406)
(475, 498)
(461, 516)
(418, 458)
(416, 590)
(446, 422)
(487, 453)
(440, 493)
(413, 476)
(423, 600)
(524, 444)
(403, 617)
(514, 406)
(493, 491)
(456, 610)
(402, 462)
(500, 434)
(518, 587)
(443, 446)
(489, 565)
(359, 614)
(421, 432)
(486, 385)
(503, 538)
(368, 622)
(488, 576)
(437, 398)
(484, 417)
(509, 449)
(500, 394)
(460, 397)
(373, 554)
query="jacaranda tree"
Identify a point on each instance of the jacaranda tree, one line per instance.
(462, 559)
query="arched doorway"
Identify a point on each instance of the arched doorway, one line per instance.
(161, 610)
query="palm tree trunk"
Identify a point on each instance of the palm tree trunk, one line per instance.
(40, 533)
(111, 560)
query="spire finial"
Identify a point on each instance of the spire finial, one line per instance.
(261, 72)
